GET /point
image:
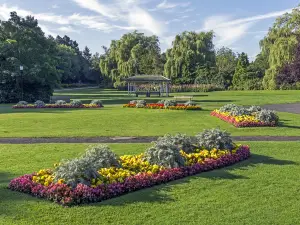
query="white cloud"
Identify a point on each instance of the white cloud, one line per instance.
(55, 6)
(169, 5)
(47, 31)
(95, 6)
(68, 29)
(229, 31)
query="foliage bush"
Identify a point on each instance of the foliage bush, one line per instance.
(60, 102)
(166, 153)
(168, 103)
(39, 104)
(76, 103)
(215, 138)
(22, 103)
(255, 109)
(84, 169)
(196, 88)
(267, 116)
(133, 102)
(190, 103)
(96, 102)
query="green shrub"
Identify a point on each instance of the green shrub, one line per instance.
(267, 116)
(39, 104)
(60, 102)
(166, 153)
(76, 103)
(96, 102)
(22, 103)
(215, 138)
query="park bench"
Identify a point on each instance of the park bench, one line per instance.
(190, 98)
(148, 93)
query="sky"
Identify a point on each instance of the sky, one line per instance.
(238, 24)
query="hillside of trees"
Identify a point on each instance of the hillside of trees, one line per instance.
(193, 59)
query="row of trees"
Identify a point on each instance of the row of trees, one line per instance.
(47, 62)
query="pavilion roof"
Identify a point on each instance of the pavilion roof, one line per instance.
(148, 78)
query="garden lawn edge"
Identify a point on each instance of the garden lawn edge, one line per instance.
(64, 195)
(231, 120)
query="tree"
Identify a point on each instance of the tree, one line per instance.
(226, 61)
(240, 71)
(279, 45)
(86, 54)
(190, 51)
(35, 52)
(134, 53)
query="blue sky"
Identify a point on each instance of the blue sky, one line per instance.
(238, 24)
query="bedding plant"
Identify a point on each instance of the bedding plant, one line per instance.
(253, 116)
(100, 174)
(58, 104)
(163, 104)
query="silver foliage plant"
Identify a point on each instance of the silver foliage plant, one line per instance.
(267, 116)
(22, 103)
(140, 103)
(190, 103)
(215, 138)
(168, 103)
(84, 168)
(166, 153)
(76, 103)
(133, 102)
(39, 104)
(60, 102)
(96, 102)
(183, 141)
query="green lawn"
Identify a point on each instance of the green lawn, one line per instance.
(261, 190)
(113, 120)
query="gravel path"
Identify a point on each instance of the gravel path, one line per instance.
(128, 139)
(291, 108)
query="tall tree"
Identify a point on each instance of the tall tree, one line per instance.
(240, 71)
(190, 50)
(35, 52)
(134, 53)
(226, 61)
(279, 45)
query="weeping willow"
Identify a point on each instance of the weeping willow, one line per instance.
(279, 46)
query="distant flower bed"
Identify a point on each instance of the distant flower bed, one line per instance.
(165, 104)
(99, 174)
(253, 116)
(75, 104)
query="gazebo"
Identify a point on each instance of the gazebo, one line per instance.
(148, 84)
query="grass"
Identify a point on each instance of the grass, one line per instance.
(261, 190)
(113, 120)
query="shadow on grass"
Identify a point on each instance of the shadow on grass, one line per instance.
(288, 126)
(160, 193)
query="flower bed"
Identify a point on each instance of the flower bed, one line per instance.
(246, 117)
(129, 173)
(75, 104)
(165, 104)
(55, 106)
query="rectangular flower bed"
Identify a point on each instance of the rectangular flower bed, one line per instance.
(60, 104)
(165, 104)
(76, 181)
(55, 106)
(246, 117)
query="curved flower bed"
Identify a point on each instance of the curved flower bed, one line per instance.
(56, 106)
(241, 121)
(162, 106)
(136, 174)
